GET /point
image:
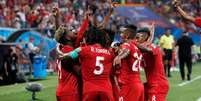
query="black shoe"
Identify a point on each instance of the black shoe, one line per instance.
(183, 79)
(188, 77)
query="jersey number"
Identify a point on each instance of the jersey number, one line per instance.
(100, 65)
(136, 63)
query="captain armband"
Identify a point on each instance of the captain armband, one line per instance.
(74, 53)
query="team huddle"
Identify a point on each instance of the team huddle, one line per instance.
(92, 67)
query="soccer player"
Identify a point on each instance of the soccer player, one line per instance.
(68, 87)
(96, 65)
(196, 21)
(156, 87)
(129, 61)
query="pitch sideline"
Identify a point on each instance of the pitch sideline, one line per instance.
(188, 82)
(199, 99)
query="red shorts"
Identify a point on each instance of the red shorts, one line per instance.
(155, 97)
(97, 96)
(116, 92)
(75, 97)
(152, 94)
(132, 92)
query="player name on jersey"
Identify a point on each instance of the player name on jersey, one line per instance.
(96, 50)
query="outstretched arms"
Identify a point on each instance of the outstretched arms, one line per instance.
(182, 12)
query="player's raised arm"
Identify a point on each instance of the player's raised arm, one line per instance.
(107, 17)
(83, 27)
(55, 13)
(73, 54)
(182, 12)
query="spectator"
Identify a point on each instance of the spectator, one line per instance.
(185, 44)
(32, 49)
(167, 44)
(9, 70)
(1, 61)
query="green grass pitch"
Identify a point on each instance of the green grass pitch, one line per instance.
(188, 92)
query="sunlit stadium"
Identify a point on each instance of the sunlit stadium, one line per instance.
(100, 50)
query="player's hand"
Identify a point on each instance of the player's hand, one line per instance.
(117, 61)
(58, 50)
(59, 33)
(88, 14)
(176, 3)
(55, 12)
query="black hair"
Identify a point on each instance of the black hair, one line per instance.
(110, 33)
(132, 29)
(144, 30)
(94, 35)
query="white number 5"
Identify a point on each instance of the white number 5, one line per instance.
(99, 64)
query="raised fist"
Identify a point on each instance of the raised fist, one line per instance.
(176, 3)
(59, 33)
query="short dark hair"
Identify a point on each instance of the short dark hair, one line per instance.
(132, 29)
(94, 35)
(110, 33)
(144, 30)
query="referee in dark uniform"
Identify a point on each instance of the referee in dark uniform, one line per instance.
(185, 44)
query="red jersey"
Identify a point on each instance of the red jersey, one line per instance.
(198, 22)
(155, 71)
(80, 33)
(130, 69)
(68, 81)
(96, 63)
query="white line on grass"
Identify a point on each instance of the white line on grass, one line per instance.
(187, 82)
(199, 99)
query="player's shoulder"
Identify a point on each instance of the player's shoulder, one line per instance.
(126, 44)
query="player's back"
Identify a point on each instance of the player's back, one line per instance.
(68, 80)
(130, 69)
(96, 65)
(154, 68)
(131, 86)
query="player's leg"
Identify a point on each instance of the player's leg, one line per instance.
(189, 66)
(169, 58)
(165, 61)
(181, 67)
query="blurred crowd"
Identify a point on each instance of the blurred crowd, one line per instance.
(38, 13)
(165, 9)
(16, 61)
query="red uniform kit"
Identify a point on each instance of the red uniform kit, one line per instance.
(68, 87)
(132, 88)
(96, 63)
(156, 87)
(198, 22)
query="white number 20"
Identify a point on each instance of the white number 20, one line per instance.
(100, 65)
(136, 63)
